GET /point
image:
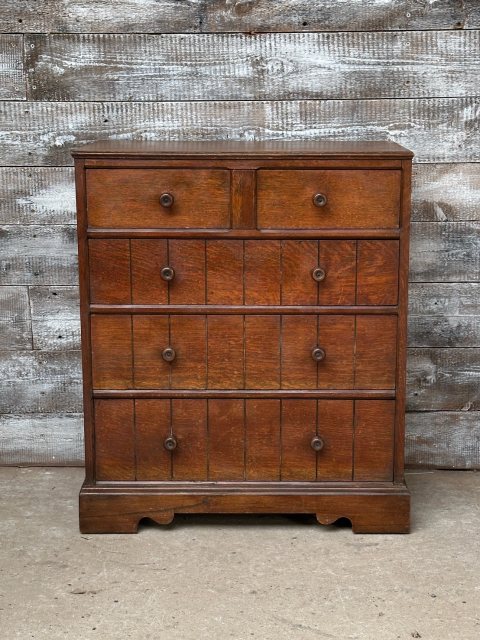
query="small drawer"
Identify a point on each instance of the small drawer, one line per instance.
(158, 198)
(254, 351)
(331, 198)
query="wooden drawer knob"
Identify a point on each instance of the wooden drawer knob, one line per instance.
(318, 354)
(167, 274)
(317, 443)
(168, 354)
(319, 199)
(170, 443)
(166, 200)
(319, 274)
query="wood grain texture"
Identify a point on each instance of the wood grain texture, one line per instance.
(262, 460)
(445, 252)
(373, 440)
(436, 129)
(298, 427)
(37, 195)
(46, 439)
(114, 421)
(226, 439)
(446, 193)
(12, 75)
(335, 423)
(34, 255)
(121, 67)
(189, 426)
(152, 426)
(443, 439)
(40, 382)
(15, 319)
(168, 16)
(55, 318)
(443, 379)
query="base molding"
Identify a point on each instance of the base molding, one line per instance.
(370, 507)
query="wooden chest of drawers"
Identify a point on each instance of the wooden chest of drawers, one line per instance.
(244, 330)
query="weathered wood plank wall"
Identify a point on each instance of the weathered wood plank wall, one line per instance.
(73, 71)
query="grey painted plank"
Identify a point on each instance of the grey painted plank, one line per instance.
(446, 331)
(164, 16)
(446, 192)
(445, 299)
(443, 379)
(37, 195)
(40, 382)
(41, 439)
(443, 440)
(54, 302)
(445, 252)
(15, 324)
(56, 334)
(12, 76)
(36, 255)
(279, 66)
(437, 129)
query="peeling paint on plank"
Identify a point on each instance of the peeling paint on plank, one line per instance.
(279, 66)
(170, 16)
(41, 439)
(12, 76)
(37, 195)
(443, 440)
(437, 130)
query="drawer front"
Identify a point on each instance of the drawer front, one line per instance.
(158, 198)
(243, 352)
(244, 439)
(237, 272)
(334, 198)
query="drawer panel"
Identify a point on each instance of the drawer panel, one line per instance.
(131, 198)
(244, 352)
(362, 199)
(244, 439)
(237, 272)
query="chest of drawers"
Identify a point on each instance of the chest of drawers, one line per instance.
(243, 315)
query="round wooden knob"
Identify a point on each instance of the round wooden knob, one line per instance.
(319, 199)
(318, 274)
(170, 443)
(318, 354)
(166, 200)
(317, 443)
(167, 274)
(168, 354)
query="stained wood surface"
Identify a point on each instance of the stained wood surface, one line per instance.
(42, 133)
(166, 16)
(241, 67)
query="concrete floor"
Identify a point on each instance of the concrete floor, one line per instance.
(221, 577)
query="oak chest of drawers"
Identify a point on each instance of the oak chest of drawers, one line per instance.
(243, 326)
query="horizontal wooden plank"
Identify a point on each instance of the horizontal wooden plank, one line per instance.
(445, 331)
(444, 299)
(40, 382)
(56, 334)
(437, 129)
(446, 192)
(32, 254)
(41, 439)
(15, 324)
(12, 77)
(279, 66)
(37, 195)
(443, 440)
(443, 379)
(167, 16)
(444, 315)
(445, 252)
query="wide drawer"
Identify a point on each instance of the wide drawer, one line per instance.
(238, 272)
(244, 439)
(331, 198)
(243, 351)
(158, 198)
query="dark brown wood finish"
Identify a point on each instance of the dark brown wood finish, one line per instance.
(244, 338)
